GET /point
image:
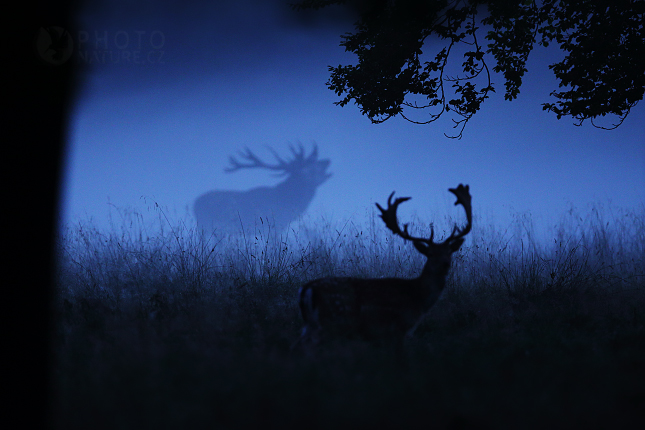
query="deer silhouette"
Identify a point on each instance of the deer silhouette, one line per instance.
(384, 308)
(232, 211)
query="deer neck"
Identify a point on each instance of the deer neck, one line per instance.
(295, 186)
(431, 282)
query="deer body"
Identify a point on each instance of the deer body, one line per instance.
(387, 307)
(230, 211)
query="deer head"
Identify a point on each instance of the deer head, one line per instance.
(438, 252)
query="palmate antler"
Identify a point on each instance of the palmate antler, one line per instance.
(391, 222)
(462, 192)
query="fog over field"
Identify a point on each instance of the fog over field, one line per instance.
(170, 91)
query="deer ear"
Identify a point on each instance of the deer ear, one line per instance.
(455, 245)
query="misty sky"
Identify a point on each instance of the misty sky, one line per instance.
(215, 77)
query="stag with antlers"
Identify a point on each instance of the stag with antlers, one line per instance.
(232, 211)
(383, 308)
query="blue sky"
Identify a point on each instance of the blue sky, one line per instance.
(248, 75)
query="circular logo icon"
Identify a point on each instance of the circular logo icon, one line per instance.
(54, 45)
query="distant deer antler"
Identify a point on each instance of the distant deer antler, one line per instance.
(285, 167)
(255, 162)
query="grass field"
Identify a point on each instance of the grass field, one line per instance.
(166, 331)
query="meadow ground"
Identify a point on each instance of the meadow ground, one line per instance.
(164, 330)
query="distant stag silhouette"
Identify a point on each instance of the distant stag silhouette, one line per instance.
(230, 211)
(386, 308)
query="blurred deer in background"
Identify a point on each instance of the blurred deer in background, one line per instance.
(230, 211)
(386, 308)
